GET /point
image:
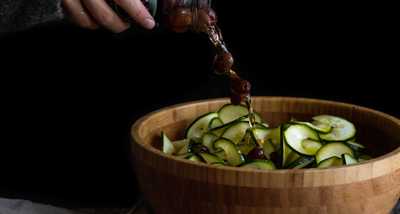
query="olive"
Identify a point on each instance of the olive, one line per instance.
(179, 17)
(255, 153)
(207, 21)
(171, 3)
(236, 99)
(201, 148)
(276, 159)
(223, 63)
(211, 13)
(240, 86)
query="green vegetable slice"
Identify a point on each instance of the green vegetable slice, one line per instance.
(208, 139)
(236, 132)
(348, 159)
(214, 122)
(342, 130)
(334, 149)
(299, 163)
(166, 144)
(194, 158)
(257, 164)
(199, 126)
(211, 158)
(233, 155)
(356, 146)
(303, 140)
(332, 161)
(230, 112)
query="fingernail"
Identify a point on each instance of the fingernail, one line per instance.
(148, 23)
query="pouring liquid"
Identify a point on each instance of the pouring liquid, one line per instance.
(215, 35)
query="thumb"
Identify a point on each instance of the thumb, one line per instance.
(138, 12)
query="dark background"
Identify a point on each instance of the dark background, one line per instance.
(69, 95)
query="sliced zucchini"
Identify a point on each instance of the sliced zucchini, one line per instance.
(269, 133)
(184, 149)
(286, 125)
(311, 145)
(220, 129)
(208, 139)
(233, 155)
(218, 164)
(184, 155)
(187, 147)
(261, 137)
(323, 128)
(265, 124)
(261, 125)
(332, 161)
(192, 145)
(356, 146)
(272, 134)
(245, 148)
(236, 132)
(342, 129)
(256, 116)
(230, 112)
(227, 134)
(166, 144)
(179, 144)
(276, 143)
(197, 126)
(284, 151)
(211, 158)
(221, 154)
(268, 147)
(348, 159)
(214, 122)
(257, 164)
(299, 162)
(292, 157)
(302, 139)
(247, 138)
(194, 157)
(251, 138)
(332, 149)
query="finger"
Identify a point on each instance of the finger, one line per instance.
(105, 16)
(67, 16)
(138, 12)
(72, 10)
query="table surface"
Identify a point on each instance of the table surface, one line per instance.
(396, 210)
(26, 206)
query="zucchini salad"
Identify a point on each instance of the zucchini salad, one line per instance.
(227, 138)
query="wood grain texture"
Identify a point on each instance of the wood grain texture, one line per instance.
(172, 185)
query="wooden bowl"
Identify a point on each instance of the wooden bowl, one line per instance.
(172, 185)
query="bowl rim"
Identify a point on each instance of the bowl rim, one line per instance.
(134, 134)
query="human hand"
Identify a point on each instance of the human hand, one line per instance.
(92, 14)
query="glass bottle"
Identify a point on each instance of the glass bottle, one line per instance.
(177, 15)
